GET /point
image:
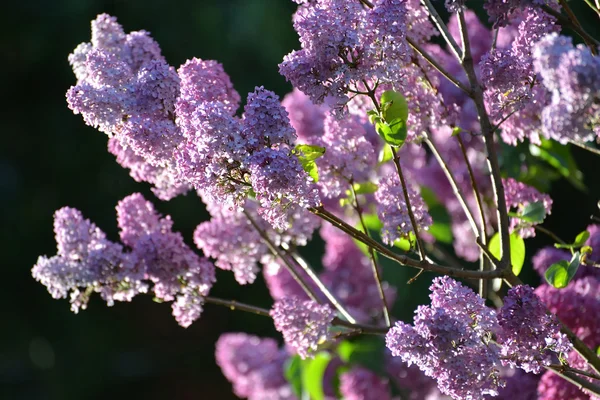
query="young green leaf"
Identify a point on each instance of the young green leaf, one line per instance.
(311, 169)
(292, 370)
(393, 106)
(580, 240)
(385, 154)
(533, 212)
(517, 250)
(309, 152)
(393, 133)
(312, 375)
(557, 274)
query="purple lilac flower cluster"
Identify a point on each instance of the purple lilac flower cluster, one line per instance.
(343, 44)
(254, 366)
(87, 262)
(177, 129)
(450, 341)
(528, 333)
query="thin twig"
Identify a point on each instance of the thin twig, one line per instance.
(573, 18)
(483, 262)
(437, 20)
(576, 380)
(452, 180)
(566, 22)
(549, 233)
(400, 259)
(236, 305)
(305, 285)
(375, 267)
(438, 66)
(575, 371)
(299, 261)
(488, 135)
(411, 214)
(585, 147)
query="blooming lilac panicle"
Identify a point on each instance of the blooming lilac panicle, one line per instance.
(86, 260)
(572, 76)
(577, 306)
(266, 122)
(254, 366)
(203, 81)
(210, 157)
(528, 333)
(233, 243)
(501, 11)
(513, 93)
(393, 211)
(177, 272)
(303, 323)
(343, 43)
(361, 384)
(77, 60)
(518, 196)
(141, 49)
(348, 157)
(450, 341)
(280, 182)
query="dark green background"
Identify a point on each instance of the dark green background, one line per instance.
(49, 159)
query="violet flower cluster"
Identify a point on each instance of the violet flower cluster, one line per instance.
(303, 323)
(87, 262)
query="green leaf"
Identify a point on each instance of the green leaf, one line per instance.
(311, 169)
(393, 132)
(559, 156)
(292, 370)
(385, 154)
(580, 240)
(365, 188)
(393, 106)
(517, 250)
(561, 273)
(373, 116)
(406, 243)
(312, 375)
(574, 265)
(557, 274)
(309, 152)
(598, 351)
(533, 212)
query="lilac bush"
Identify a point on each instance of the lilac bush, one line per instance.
(393, 149)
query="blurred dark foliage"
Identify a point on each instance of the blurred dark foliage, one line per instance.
(49, 159)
